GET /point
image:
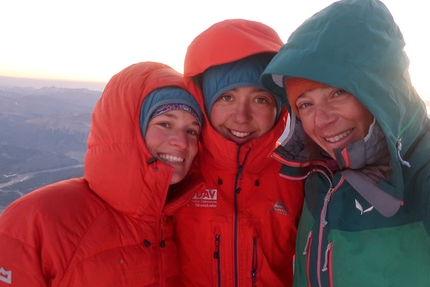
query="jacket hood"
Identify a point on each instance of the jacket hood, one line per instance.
(356, 45)
(118, 165)
(225, 42)
(244, 72)
(229, 41)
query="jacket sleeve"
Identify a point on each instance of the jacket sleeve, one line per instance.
(20, 262)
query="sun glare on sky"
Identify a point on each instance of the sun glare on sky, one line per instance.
(93, 40)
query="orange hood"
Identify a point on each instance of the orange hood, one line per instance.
(116, 163)
(225, 42)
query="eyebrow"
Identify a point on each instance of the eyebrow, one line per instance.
(254, 89)
(167, 114)
(175, 117)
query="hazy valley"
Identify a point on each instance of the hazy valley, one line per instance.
(43, 133)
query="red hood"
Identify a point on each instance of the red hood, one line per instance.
(229, 41)
(116, 161)
(225, 42)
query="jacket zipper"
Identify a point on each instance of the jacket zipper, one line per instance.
(162, 242)
(217, 256)
(235, 239)
(254, 261)
(237, 189)
(323, 222)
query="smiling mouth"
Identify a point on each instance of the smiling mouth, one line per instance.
(171, 158)
(338, 137)
(239, 134)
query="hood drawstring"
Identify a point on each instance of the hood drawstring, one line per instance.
(399, 148)
(151, 161)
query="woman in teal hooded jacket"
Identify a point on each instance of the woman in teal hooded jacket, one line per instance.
(366, 219)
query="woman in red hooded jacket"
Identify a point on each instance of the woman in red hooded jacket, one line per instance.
(241, 231)
(112, 227)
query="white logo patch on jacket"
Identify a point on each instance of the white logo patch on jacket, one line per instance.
(5, 276)
(207, 198)
(280, 207)
(359, 207)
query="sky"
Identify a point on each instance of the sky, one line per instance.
(91, 40)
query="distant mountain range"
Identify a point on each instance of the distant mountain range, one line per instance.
(41, 83)
(43, 132)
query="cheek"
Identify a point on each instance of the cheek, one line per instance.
(308, 128)
(363, 117)
(266, 117)
(217, 115)
(306, 123)
(193, 147)
(153, 139)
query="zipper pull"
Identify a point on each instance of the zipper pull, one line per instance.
(254, 277)
(399, 148)
(305, 250)
(216, 253)
(326, 257)
(324, 211)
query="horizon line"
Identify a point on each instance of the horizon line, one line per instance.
(41, 83)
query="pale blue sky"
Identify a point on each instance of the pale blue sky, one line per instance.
(91, 40)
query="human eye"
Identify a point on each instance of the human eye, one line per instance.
(263, 97)
(303, 104)
(226, 97)
(339, 92)
(194, 132)
(261, 100)
(164, 124)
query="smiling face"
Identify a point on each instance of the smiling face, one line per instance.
(333, 118)
(172, 137)
(243, 114)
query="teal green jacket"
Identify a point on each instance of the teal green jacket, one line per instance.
(367, 221)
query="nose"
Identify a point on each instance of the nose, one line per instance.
(242, 112)
(323, 115)
(180, 139)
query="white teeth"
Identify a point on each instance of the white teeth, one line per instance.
(239, 134)
(171, 158)
(338, 137)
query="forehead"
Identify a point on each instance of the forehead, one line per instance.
(178, 115)
(248, 89)
(249, 92)
(321, 91)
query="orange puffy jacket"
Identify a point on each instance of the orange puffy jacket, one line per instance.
(107, 228)
(242, 230)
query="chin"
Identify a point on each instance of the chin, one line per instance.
(176, 178)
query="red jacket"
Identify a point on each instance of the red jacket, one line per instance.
(105, 229)
(241, 231)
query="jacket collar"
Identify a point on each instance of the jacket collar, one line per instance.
(365, 164)
(257, 151)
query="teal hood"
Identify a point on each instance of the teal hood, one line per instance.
(356, 45)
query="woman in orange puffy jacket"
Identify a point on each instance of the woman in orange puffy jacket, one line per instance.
(112, 227)
(241, 231)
